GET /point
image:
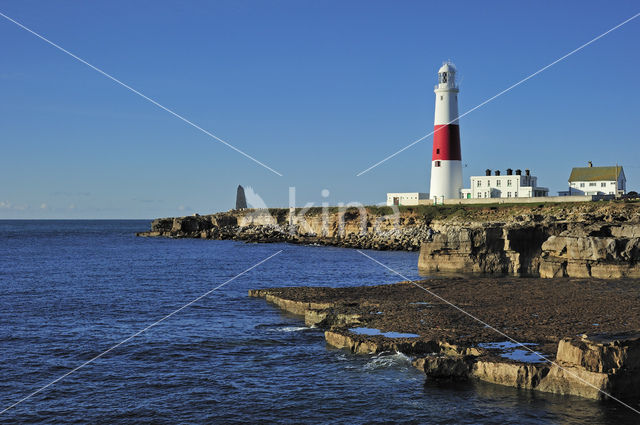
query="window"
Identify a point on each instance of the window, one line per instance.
(488, 183)
(438, 150)
(437, 163)
(612, 183)
(515, 194)
(497, 182)
(581, 184)
(592, 184)
(441, 97)
(508, 194)
(508, 183)
(603, 185)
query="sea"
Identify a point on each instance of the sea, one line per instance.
(87, 335)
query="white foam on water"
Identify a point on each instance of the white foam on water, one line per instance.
(293, 328)
(386, 359)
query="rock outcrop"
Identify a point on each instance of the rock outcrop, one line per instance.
(447, 347)
(592, 366)
(595, 239)
(491, 248)
(603, 251)
(368, 228)
(591, 240)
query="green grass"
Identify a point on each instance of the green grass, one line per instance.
(433, 212)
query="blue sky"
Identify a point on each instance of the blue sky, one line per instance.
(317, 90)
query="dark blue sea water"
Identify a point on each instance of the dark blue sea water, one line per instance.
(71, 289)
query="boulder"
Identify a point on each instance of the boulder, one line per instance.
(447, 367)
(601, 353)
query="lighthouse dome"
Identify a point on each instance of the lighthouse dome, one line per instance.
(447, 67)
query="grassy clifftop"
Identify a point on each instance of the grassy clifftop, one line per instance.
(574, 211)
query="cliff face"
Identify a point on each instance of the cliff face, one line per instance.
(588, 240)
(595, 239)
(370, 229)
(485, 248)
(604, 251)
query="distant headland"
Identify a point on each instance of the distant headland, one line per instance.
(587, 239)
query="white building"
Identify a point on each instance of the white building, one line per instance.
(410, 198)
(596, 181)
(509, 185)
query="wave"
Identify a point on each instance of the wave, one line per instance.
(282, 327)
(292, 329)
(388, 359)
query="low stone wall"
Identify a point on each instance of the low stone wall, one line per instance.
(534, 200)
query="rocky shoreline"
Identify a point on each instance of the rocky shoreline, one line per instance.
(378, 231)
(601, 241)
(588, 331)
(592, 239)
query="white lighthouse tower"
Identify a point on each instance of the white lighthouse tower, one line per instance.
(446, 159)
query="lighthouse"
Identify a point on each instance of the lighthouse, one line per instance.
(446, 158)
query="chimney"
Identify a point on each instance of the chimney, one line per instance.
(518, 172)
(509, 172)
(527, 172)
(487, 172)
(590, 164)
(497, 172)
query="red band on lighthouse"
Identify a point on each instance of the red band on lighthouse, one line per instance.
(446, 143)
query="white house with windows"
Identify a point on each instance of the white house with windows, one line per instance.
(509, 185)
(410, 198)
(596, 181)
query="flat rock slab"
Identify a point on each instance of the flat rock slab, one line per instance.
(586, 329)
(531, 310)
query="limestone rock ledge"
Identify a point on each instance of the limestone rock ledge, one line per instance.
(590, 245)
(596, 239)
(591, 366)
(349, 228)
(594, 366)
(576, 253)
